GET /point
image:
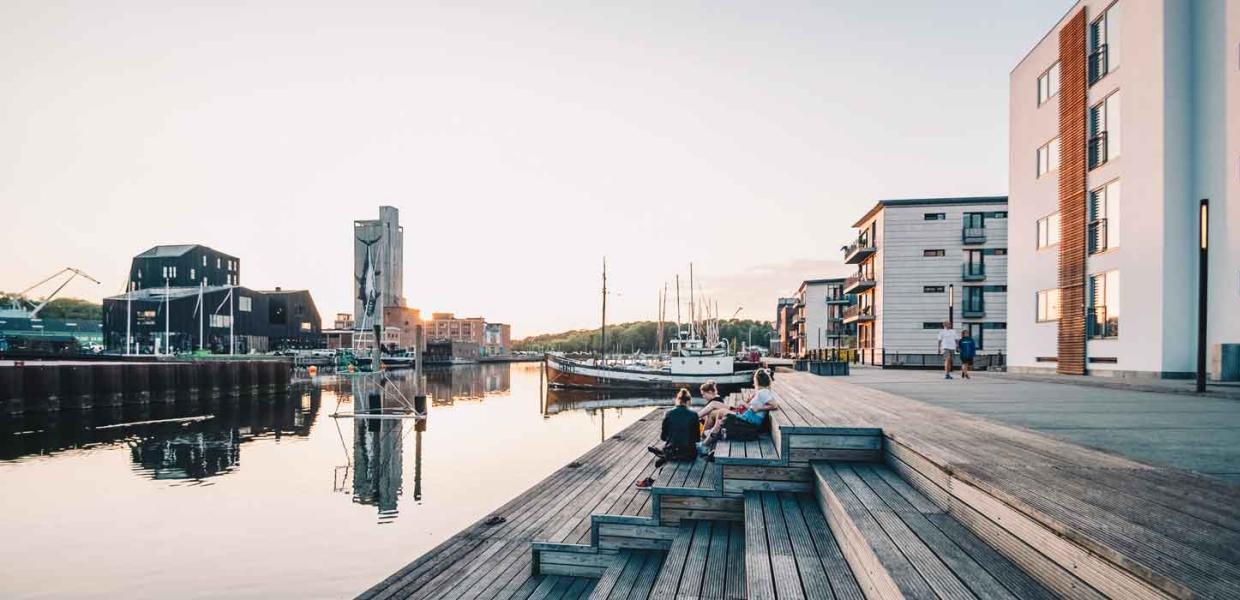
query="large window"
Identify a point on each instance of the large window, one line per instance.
(1048, 230)
(1048, 157)
(1104, 41)
(1104, 131)
(1048, 84)
(1104, 218)
(974, 301)
(1048, 305)
(1103, 317)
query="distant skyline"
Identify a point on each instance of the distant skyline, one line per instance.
(521, 144)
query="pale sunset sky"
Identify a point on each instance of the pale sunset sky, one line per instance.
(521, 141)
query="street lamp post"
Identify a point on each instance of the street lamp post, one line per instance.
(951, 303)
(1203, 273)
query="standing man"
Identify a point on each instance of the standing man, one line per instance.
(968, 349)
(947, 346)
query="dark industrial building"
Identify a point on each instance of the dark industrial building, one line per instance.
(209, 310)
(184, 265)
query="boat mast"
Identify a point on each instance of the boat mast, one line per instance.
(678, 306)
(692, 314)
(603, 335)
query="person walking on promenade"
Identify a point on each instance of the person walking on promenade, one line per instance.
(968, 349)
(947, 346)
(679, 435)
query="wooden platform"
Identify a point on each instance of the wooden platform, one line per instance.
(496, 561)
(1083, 522)
(790, 551)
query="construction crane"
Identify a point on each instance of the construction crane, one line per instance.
(17, 302)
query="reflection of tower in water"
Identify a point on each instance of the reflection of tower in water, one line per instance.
(377, 464)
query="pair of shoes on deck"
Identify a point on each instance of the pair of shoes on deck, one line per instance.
(644, 484)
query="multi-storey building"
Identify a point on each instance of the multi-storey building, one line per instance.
(921, 262)
(378, 257)
(785, 312)
(446, 326)
(1123, 117)
(818, 316)
(497, 339)
(183, 265)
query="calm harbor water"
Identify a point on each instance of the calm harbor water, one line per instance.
(276, 498)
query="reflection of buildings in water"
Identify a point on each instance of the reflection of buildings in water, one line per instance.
(191, 450)
(557, 401)
(446, 385)
(189, 455)
(377, 463)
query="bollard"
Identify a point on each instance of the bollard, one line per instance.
(11, 390)
(76, 386)
(109, 389)
(136, 379)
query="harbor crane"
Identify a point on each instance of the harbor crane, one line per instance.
(18, 301)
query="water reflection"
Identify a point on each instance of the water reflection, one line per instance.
(467, 383)
(192, 455)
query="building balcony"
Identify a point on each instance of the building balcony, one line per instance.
(973, 235)
(973, 272)
(854, 314)
(858, 251)
(973, 311)
(858, 283)
(842, 299)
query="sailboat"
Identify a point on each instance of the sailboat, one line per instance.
(691, 362)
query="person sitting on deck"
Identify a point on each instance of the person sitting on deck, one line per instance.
(715, 410)
(679, 435)
(748, 424)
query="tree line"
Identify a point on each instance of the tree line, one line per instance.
(641, 336)
(59, 308)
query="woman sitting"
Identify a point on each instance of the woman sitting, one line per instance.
(746, 425)
(715, 409)
(679, 435)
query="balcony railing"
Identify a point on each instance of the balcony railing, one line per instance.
(858, 313)
(973, 310)
(1097, 236)
(1098, 64)
(973, 271)
(858, 251)
(973, 235)
(858, 282)
(842, 299)
(1099, 324)
(1098, 150)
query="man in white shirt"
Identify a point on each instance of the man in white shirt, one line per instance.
(947, 345)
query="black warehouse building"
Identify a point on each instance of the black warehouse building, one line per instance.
(204, 307)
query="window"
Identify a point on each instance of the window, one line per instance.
(1104, 131)
(974, 220)
(1104, 218)
(932, 289)
(305, 326)
(934, 253)
(221, 320)
(204, 260)
(1048, 230)
(931, 325)
(935, 216)
(1103, 317)
(1048, 84)
(1002, 214)
(192, 276)
(245, 303)
(995, 252)
(1048, 305)
(974, 300)
(1048, 157)
(217, 262)
(996, 288)
(1104, 41)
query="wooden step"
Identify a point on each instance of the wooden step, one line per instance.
(632, 575)
(790, 551)
(900, 544)
(706, 560)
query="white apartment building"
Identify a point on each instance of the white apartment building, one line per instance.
(923, 261)
(818, 321)
(1123, 117)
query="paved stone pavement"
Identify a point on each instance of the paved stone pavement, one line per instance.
(1188, 432)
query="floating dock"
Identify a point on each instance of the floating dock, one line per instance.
(855, 493)
(48, 386)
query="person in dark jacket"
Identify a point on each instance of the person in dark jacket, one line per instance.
(679, 434)
(968, 349)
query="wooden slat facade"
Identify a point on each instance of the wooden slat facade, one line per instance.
(1073, 86)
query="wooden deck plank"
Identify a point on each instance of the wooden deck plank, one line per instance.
(695, 565)
(813, 579)
(714, 573)
(843, 583)
(736, 586)
(759, 578)
(669, 576)
(783, 562)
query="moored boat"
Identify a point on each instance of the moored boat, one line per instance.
(683, 371)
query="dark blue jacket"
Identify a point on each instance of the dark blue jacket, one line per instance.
(968, 347)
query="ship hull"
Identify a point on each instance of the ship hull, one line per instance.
(569, 374)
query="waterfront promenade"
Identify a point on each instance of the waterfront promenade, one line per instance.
(857, 492)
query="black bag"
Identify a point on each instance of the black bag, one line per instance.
(739, 430)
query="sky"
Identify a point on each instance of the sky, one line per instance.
(522, 142)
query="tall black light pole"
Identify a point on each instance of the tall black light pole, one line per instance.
(1203, 273)
(951, 303)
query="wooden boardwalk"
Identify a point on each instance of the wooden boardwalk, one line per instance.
(496, 561)
(855, 493)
